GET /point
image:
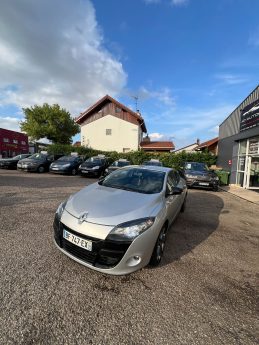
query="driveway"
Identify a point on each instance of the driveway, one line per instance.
(204, 292)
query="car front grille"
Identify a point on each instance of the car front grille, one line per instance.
(104, 254)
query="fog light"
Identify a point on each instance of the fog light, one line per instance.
(133, 261)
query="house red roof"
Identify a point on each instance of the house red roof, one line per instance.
(207, 143)
(157, 145)
(106, 98)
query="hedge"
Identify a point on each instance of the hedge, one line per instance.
(171, 159)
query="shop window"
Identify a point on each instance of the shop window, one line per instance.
(108, 131)
(242, 147)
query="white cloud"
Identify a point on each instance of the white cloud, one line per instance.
(12, 123)
(231, 79)
(156, 136)
(179, 2)
(163, 95)
(54, 53)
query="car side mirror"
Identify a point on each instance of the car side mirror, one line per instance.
(101, 179)
(174, 191)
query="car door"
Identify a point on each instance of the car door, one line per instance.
(173, 202)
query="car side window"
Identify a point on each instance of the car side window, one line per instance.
(172, 181)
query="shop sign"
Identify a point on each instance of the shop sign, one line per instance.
(250, 116)
(253, 146)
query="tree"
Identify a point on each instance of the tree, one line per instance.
(51, 122)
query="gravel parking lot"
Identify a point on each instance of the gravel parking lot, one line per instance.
(204, 292)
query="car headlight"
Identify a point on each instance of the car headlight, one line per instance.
(96, 167)
(188, 176)
(216, 178)
(130, 230)
(80, 166)
(106, 170)
(60, 209)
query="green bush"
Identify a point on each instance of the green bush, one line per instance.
(172, 160)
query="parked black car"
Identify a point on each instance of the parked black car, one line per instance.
(39, 162)
(94, 166)
(66, 165)
(116, 165)
(199, 175)
(153, 162)
(11, 163)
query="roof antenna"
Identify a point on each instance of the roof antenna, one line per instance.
(136, 102)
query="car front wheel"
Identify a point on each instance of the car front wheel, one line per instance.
(159, 248)
(41, 169)
(73, 172)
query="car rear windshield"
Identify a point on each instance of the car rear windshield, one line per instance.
(136, 180)
(159, 164)
(95, 160)
(196, 166)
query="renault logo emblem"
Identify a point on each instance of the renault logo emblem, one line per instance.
(83, 218)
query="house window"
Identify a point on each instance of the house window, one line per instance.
(5, 140)
(15, 141)
(23, 142)
(108, 132)
(117, 110)
(126, 149)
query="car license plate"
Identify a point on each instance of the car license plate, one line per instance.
(19, 165)
(204, 184)
(78, 241)
(55, 169)
(25, 166)
(85, 171)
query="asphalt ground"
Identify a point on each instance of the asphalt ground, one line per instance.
(204, 292)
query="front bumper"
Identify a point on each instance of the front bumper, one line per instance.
(110, 257)
(202, 183)
(90, 172)
(7, 166)
(28, 168)
(60, 171)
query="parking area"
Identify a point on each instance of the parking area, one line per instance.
(204, 292)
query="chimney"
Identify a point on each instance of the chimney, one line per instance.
(198, 141)
(146, 139)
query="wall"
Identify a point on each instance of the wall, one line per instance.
(125, 135)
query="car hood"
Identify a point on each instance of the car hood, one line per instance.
(110, 206)
(4, 160)
(90, 165)
(200, 173)
(60, 163)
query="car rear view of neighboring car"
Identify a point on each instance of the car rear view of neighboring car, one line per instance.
(119, 224)
(39, 162)
(11, 163)
(117, 165)
(94, 166)
(66, 165)
(198, 175)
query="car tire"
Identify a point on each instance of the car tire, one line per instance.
(215, 188)
(159, 248)
(41, 169)
(73, 172)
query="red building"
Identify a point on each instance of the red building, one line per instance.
(12, 143)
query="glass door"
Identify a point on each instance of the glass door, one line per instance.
(252, 181)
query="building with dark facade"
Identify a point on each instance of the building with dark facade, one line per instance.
(238, 147)
(12, 143)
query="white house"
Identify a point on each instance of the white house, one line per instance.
(111, 126)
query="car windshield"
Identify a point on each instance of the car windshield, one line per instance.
(67, 158)
(136, 180)
(196, 166)
(39, 156)
(94, 160)
(120, 164)
(19, 157)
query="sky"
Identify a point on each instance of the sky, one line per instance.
(190, 63)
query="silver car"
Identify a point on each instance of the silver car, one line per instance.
(119, 224)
